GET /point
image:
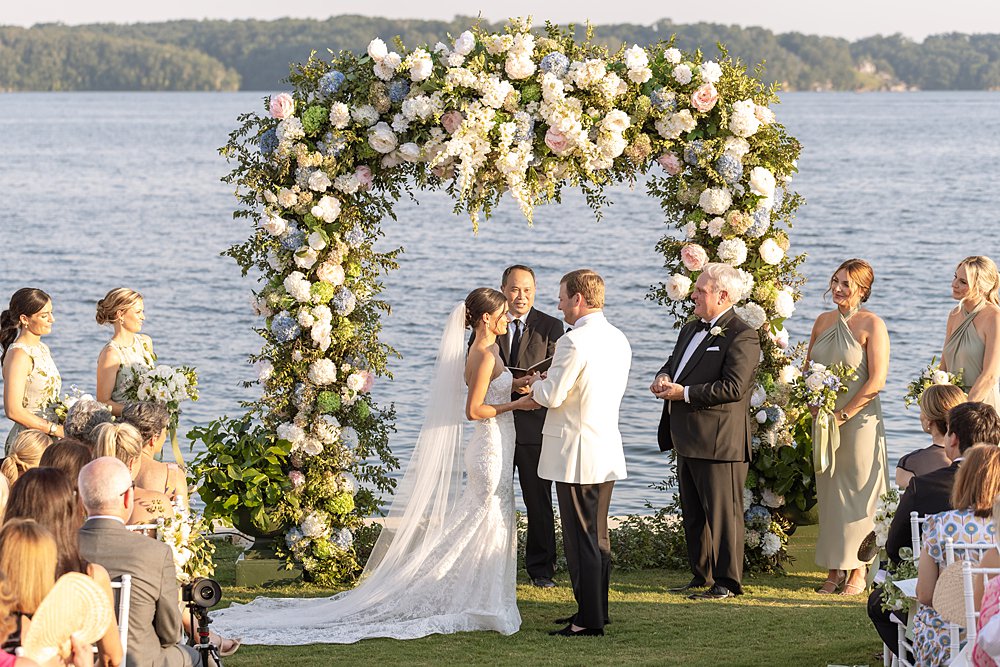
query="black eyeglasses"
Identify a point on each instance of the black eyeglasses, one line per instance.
(130, 488)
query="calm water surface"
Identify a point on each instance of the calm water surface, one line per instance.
(108, 189)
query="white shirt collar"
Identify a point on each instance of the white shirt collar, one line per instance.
(716, 318)
(589, 317)
(107, 516)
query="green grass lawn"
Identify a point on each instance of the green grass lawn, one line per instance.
(780, 621)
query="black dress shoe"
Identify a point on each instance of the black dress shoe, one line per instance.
(716, 592)
(543, 582)
(585, 632)
(694, 583)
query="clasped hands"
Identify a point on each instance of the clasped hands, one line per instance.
(664, 389)
(522, 385)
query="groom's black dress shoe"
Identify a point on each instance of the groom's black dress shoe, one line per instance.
(585, 632)
(716, 592)
(694, 583)
(543, 582)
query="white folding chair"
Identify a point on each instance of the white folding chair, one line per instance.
(950, 548)
(124, 586)
(903, 644)
(971, 615)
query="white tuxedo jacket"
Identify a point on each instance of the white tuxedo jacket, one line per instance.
(581, 443)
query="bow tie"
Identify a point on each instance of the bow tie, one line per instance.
(702, 325)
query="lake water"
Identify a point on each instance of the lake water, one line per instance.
(109, 189)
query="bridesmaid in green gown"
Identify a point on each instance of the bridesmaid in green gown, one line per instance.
(849, 487)
(127, 349)
(972, 341)
(31, 382)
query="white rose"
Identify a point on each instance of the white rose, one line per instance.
(678, 287)
(519, 68)
(715, 201)
(616, 120)
(771, 252)
(640, 76)
(382, 138)
(710, 72)
(762, 182)
(815, 381)
(365, 115)
(327, 209)
(377, 49)
(421, 65)
(386, 68)
(316, 241)
(275, 226)
(784, 303)
(305, 257)
(319, 181)
(290, 432)
(410, 151)
(736, 146)
(715, 226)
(672, 56)
(761, 417)
(465, 43)
(287, 198)
(636, 58)
(752, 314)
(306, 319)
(682, 74)
(940, 377)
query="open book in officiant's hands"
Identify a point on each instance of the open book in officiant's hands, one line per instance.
(540, 367)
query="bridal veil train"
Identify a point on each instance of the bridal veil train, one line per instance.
(446, 560)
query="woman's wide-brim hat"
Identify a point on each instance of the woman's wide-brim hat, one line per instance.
(949, 594)
(75, 605)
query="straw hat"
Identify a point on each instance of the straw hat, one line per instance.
(75, 605)
(949, 594)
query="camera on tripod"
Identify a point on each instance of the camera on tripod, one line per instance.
(200, 595)
(202, 592)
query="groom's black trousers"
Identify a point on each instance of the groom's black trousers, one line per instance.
(584, 512)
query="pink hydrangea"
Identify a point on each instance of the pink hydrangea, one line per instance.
(452, 121)
(694, 257)
(364, 175)
(282, 106)
(671, 163)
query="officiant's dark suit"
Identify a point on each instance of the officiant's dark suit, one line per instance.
(537, 342)
(709, 429)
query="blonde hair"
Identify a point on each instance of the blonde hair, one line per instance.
(118, 299)
(978, 481)
(983, 278)
(4, 496)
(119, 440)
(587, 284)
(28, 560)
(937, 400)
(25, 453)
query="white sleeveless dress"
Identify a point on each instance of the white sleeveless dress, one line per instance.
(465, 581)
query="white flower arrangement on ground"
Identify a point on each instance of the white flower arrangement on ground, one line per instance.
(186, 533)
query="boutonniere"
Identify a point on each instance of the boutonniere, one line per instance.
(717, 330)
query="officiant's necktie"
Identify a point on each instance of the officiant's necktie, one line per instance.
(515, 343)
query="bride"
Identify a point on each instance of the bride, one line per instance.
(446, 559)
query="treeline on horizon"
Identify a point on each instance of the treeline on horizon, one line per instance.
(255, 55)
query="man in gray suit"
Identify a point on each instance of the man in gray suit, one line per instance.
(154, 621)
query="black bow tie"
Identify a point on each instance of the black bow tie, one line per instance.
(702, 325)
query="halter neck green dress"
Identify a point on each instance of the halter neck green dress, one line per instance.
(848, 489)
(965, 350)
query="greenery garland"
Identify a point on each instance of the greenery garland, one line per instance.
(486, 114)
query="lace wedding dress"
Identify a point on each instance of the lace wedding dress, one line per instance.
(447, 560)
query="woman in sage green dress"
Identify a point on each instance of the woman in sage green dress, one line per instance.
(972, 340)
(127, 350)
(31, 382)
(854, 472)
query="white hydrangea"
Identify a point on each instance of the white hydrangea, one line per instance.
(340, 115)
(672, 126)
(715, 201)
(347, 183)
(327, 209)
(319, 181)
(287, 198)
(770, 544)
(355, 381)
(421, 65)
(289, 130)
(497, 44)
(291, 433)
(587, 73)
(365, 115)
(672, 56)
(265, 369)
(736, 146)
(742, 120)
(636, 57)
(311, 446)
(771, 252)
(784, 303)
(616, 120)
(714, 226)
(323, 372)
(733, 251)
(305, 318)
(386, 68)
(678, 287)
(789, 374)
(747, 497)
(495, 90)
(327, 429)
(297, 286)
(752, 314)
(682, 74)
(746, 278)
(710, 71)
(519, 67)
(752, 539)
(314, 525)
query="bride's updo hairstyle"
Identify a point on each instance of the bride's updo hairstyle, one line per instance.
(115, 301)
(480, 301)
(26, 301)
(983, 277)
(861, 274)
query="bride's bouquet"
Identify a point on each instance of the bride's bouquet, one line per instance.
(62, 405)
(931, 375)
(166, 385)
(819, 385)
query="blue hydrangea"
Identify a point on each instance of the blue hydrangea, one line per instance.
(293, 537)
(556, 63)
(761, 223)
(663, 99)
(758, 517)
(354, 237)
(525, 126)
(398, 90)
(730, 168)
(775, 415)
(344, 302)
(268, 141)
(342, 539)
(293, 240)
(332, 143)
(693, 151)
(284, 327)
(331, 82)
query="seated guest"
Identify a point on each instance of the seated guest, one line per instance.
(83, 417)
(68, 455)
(935, 403)
(976, 486)
(8, 604)
(154, 623)
(968, 423)
(28, 562)
(24, 453)
(987, 649)
(151, 419)
(123, 442)
(47, 496)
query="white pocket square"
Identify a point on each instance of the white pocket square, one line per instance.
(714, 348)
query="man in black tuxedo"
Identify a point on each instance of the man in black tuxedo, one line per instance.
(706, 385)
(531, 338)
(968, 424)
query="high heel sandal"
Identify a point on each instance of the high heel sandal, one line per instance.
(831, 586)
(854, 589)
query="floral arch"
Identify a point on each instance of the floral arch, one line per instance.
(485, 114)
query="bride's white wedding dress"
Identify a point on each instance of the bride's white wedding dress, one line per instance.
(447, 566)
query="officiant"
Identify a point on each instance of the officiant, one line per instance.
(530, 339)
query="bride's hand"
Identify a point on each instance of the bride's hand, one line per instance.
(526, 403)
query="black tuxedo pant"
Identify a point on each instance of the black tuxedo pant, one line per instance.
(882, 620)
(712, 507)
(584, 512)
(540, 545)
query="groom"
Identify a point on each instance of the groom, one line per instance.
(581, 444)
(706, 386)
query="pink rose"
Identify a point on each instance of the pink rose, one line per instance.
(557, 142)
(694, 257)
(452, 121)
(369, 382)
(671, 163)
(704, 98)
(282, 106)
(364, 176)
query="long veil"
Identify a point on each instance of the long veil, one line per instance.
(429, 491)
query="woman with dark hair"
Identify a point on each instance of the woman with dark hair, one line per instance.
(151, 419)
(68, 455)
(446, 560)
(851, 467)
(47, 496)
(31, 382)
